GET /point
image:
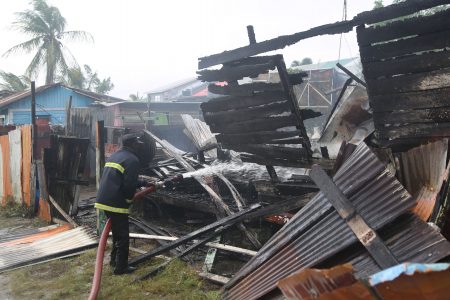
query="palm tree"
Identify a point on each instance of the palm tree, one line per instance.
(13, 83)
(46, 26)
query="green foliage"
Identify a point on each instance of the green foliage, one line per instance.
(13, 83)
(136, 97)
(46, 27)
(86, 80)
(306, 61)
(378, 4)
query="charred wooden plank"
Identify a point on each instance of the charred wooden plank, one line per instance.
(260, 137)
(413, 116)
(433, 41)
(236, 102)
(227, 73)
(288, 153)
(259, 124)
(406, 27)
(369, 17)
(226, 117)
(244, 89)
(408, 83)
(414, 131)
(411, 100)
(325, 163)
(410, 64)
(232, 219)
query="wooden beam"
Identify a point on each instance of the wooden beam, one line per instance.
(35, 154)
(68, 121)
(229, 220)
(369, 17)
(233, 73)
(62, 212)
(261, 137)
(244, 89)
(411, 100)
(409, 83)
(239, 102)
(366, 235)
(99, 151)
(419, 63)
(419, 25)
(430, 42)
(413, 131)
(427, 115)
(175, 155)
(211, 245)
(255, 125)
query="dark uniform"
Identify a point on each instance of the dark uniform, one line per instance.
(117, 187)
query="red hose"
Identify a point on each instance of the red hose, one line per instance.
(99, 261)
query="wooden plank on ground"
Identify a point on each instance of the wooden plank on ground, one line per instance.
(411, 100)
(229, 220)
(417, 63)
(408, 83)
(433, 41)
(238, 102)
(406, 27)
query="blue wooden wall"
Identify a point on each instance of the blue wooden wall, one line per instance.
(51, 102)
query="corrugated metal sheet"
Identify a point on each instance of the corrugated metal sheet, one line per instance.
(422, 171)
(56, 245)
(317, 232)
(7, 189)
(15, 152)
(26, 164)
(404, 281)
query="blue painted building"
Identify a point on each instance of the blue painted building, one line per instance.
(51, 102)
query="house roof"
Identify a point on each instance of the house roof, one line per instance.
(172, 85)
(20, 95)
(326, 65)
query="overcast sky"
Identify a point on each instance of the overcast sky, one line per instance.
(144, 44)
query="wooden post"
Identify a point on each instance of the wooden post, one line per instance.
(68, 121)
(33, 120)
(366, 235)
(251, 34)
(99, 151)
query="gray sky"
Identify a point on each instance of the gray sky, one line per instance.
(144, 44)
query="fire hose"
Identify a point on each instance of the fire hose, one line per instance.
(105, 233)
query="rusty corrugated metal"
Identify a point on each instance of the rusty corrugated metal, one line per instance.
(422, 171)
(56, 245)
(7, 189)
(404, 281)
(317, 232)
(26, 164)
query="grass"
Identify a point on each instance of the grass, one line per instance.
(13, 215)
(71, 278)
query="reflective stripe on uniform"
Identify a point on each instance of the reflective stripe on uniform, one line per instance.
(115, 166)
(129, 201)
(111, 209)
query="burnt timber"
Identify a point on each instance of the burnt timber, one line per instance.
(406, 65)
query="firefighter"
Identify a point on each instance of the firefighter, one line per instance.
(118, 184)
